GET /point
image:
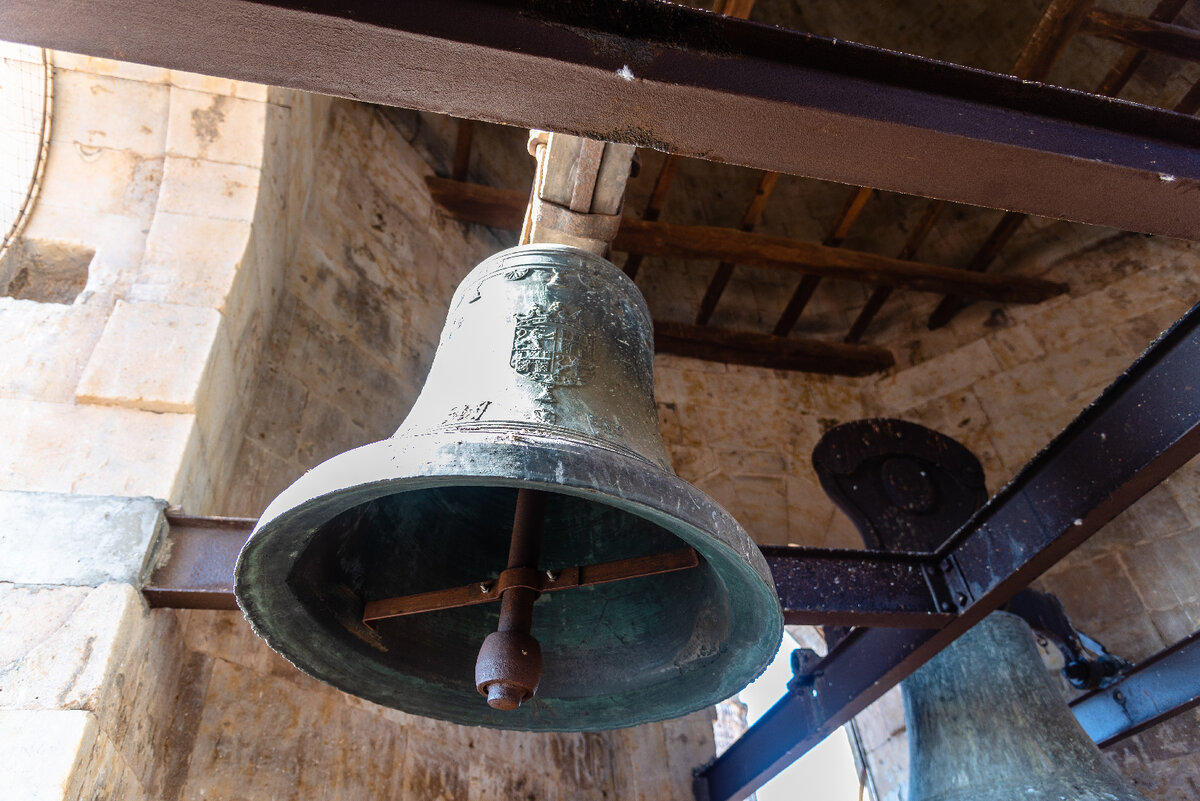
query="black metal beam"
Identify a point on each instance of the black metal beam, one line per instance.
(1139, 431)
(682, 81)
(1161, 687)
(854, 588)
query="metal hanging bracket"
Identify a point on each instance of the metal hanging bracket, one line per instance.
(481, 592)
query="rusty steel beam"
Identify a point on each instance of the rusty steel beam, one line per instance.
(1138, 432)
(195, 570)
(832, 587)
(687, 82)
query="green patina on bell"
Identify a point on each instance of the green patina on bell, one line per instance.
(543, 381)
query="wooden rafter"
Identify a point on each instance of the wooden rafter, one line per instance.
(503, 208)
(767, 350)
(1058, 23)
(1144, 34)
(809, 283)
(1116, 79)
(724, 271)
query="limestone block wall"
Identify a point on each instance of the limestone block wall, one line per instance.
(183, 191)
(361, 307)
(1002, 380)
(179, 185)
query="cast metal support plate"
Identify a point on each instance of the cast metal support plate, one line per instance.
(683, 81)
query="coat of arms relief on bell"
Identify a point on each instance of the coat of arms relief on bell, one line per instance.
(552, 347)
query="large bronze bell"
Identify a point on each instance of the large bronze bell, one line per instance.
(522, 535)
(986, 723)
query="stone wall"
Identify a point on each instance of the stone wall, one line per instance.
(183, 188)
(362, 304)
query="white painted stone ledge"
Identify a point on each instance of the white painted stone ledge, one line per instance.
(77, 540)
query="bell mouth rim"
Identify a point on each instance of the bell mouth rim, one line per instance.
(397, 465)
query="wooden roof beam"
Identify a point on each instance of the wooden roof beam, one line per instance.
(503, 208)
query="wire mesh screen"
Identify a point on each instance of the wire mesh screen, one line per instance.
(24, 133)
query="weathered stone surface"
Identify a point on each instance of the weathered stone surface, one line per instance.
(206, 188)
(151, 356)
(62, 447)
(191, 260)
(45, 347)
(76, 123)
(313, 745)
(70, 665)
(103, 773)
(43, 753)
(119, 182)
(938, 376)
(52, 538)
(216, 127)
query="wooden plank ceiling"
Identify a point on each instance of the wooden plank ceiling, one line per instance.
(645, 235)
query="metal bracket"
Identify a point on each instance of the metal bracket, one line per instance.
(948, 585)
(577, 192)
(481, 592)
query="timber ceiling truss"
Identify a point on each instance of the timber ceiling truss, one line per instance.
(814, 262)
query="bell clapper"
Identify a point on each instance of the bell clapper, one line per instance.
(509, 665)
